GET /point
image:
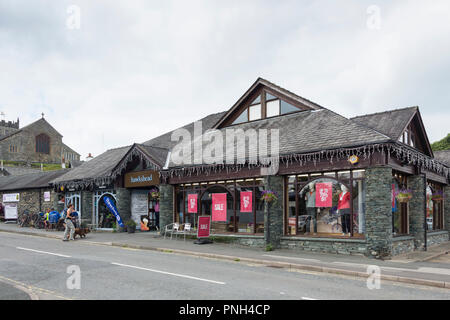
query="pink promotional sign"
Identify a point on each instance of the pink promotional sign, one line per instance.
(204, 226)
(192, 203)
(324, 194)
(219, 207)
(246, 201)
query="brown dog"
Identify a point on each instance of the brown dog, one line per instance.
(81, 232)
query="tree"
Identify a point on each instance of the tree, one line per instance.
(443, 144)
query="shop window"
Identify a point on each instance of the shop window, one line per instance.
(325, 206)
(400, 221)
(435, 199)
(43, 144)
(244, 211)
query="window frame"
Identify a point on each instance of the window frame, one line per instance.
(42, 144)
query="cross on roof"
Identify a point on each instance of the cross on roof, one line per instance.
(42, 115)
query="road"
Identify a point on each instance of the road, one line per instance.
(41, 264)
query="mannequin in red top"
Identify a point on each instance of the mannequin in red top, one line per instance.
(344, 210)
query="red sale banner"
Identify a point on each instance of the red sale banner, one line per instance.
(192, 203)
(219, 207)
(204, 226)
(246, 201)
(324, 194)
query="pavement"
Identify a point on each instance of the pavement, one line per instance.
(430, 268)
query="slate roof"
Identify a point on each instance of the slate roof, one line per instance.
(17, 171)
(164, 141)
(21, 129)
(308, 131)
(443, 156)
(99, 166)
(391, 123)
(30, 181)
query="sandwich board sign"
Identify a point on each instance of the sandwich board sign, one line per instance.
(204, 227)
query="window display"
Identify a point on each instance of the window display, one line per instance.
(434, 201)
(321, 204)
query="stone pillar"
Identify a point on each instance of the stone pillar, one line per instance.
(166, 205)
(123, 202)
(273, 213)
(87, 207)
(379, 211)
(447, 208)
(416, 210)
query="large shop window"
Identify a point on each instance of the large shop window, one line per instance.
(435, 206)
(234, 205)
(400, 218)
(326, 204)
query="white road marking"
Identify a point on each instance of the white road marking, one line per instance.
(351, 264)
(45, 252)
(295, 258)
(168, 273)
(306, 298)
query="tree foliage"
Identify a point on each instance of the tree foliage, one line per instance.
(443, 144)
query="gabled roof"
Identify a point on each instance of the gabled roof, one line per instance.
(97, 168)
(42, 120)
(391, 123)
(260, 82)
(307, 131)
(30, 181)
(394, 122)
(443, 156)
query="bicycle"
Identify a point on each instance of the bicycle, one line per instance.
(24, 219)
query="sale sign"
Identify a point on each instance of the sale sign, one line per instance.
(219, 207)
(192, 203)
(324, 194)
(246, 201)
(204, 226)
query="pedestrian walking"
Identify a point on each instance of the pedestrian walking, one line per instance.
(70, 229)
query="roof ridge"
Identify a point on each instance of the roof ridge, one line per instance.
(387, 111)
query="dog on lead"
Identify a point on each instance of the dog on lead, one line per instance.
(81, 232)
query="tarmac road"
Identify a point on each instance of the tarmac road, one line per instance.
(108, 272)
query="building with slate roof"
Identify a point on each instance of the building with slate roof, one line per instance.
(366, 185)
(29, 191)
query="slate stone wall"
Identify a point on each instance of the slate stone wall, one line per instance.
(325, 245)
(402, 245)
(86, 207)
(379, 211)
(273, 213)
(166, 205)
(438, 237)
(416, 208)
(123, 203)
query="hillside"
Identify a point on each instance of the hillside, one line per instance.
(443, 144)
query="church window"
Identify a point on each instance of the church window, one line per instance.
(43, 144)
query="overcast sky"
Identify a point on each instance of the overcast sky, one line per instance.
(136, 69)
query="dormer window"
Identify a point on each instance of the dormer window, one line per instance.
(265, 105)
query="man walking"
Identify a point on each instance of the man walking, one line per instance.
(69, 224)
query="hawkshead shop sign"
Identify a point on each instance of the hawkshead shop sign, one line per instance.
(141, 179)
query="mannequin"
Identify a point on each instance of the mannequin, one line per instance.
(344, 210)
(310, 198)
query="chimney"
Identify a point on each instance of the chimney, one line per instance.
(89, 157)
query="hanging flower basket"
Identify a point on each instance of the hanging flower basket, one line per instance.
(269, 196)
(403, 195)
(154, 194)
(437, 196)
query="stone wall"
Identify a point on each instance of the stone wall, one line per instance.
(447, 208)
(166, 205)
(402, 245)
(33, 200)
(437, 237)
(379, 211)
(123, 201)
(417, 210)
(326, 245)
(273, 213)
